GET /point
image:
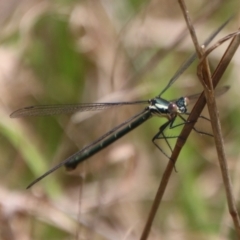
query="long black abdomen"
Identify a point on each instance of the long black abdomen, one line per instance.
(79, 157)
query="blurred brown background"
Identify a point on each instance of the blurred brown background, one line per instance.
(61, 52)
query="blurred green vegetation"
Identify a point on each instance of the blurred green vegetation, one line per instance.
(63, 52)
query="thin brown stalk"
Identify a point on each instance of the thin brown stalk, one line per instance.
(196, 111)
(216, 45)
(205, 77)
(190, 27)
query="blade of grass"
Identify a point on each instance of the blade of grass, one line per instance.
(28, 150)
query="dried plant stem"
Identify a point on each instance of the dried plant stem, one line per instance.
(205, 78)
(197, 109)
(204, 75)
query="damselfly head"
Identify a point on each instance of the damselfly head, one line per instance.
(181, 104)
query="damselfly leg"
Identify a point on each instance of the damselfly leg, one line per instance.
(170, 124)
(156, 107)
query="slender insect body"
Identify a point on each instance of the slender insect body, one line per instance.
(157, 107)
(163, 108)
(72, 162)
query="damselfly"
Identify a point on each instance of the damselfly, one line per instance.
(156, 107)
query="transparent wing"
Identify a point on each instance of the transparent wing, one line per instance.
(71, 161)
(189, 61)
(218, 92)
(42, 110)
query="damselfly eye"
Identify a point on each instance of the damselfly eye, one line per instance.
(172, 108)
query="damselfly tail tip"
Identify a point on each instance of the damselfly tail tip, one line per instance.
(33, 183)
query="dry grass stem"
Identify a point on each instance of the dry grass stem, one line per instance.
(188, 127)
